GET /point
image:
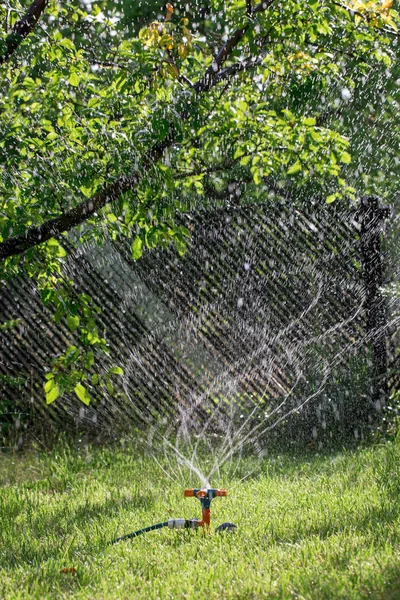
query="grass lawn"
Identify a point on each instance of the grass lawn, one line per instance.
(310, 527)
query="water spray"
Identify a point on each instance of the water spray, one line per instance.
(205, 495)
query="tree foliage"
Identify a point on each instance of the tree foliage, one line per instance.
(115, 117)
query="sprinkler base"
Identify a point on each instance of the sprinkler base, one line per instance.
(226, 527)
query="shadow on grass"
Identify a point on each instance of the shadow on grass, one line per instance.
(376, 523)
(63, 524)
(391, 577)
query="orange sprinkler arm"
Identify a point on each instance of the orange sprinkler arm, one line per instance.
(203, 493)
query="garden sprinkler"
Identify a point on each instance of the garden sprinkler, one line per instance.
(205, 495)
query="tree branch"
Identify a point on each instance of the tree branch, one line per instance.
(41, 233)
(245, 65)
(209, 77)
(23, 28)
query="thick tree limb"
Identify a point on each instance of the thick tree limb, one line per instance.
(41, 233)
(23, 28)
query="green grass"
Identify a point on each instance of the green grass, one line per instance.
(317, 527)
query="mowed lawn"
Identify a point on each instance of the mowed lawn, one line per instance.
(308, 527)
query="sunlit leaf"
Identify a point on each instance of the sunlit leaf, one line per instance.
(117, 370)
(82, 394)
(52, 394)
(137, 248)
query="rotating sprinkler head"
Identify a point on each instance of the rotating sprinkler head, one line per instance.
(205, 495)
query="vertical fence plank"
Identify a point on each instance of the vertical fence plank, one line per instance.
(372, 218)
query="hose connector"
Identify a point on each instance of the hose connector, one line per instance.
(183, 523)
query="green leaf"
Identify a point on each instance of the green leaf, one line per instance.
(86, 191)
(345, 158)
(331, 198)
(238, 153)
(89, 361)
(52, 394)
(180, 245)
(67, 43)
(112, 218)
(256, 176)
(117, 370)
(74, 79)
(49, 385)
(137, 248)
(295, 168)
(82, 394)
(55, 248)
(92, 337)
(72, 322)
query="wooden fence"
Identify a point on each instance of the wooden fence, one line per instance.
(274, 305)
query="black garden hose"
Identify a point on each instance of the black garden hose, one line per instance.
(140, 531)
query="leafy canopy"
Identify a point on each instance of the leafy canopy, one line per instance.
(110, 125)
